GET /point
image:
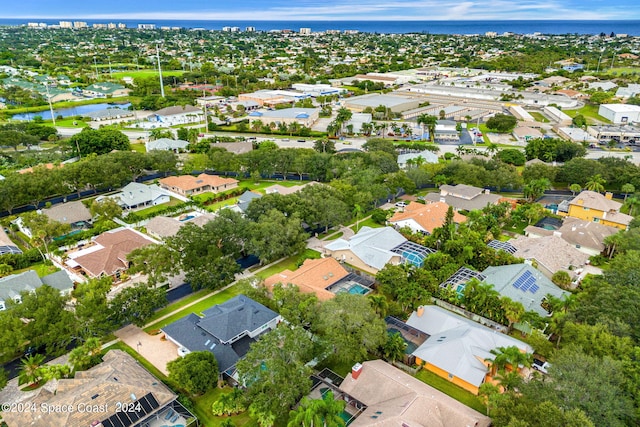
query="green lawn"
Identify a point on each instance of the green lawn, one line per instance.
(539, 117)
(178, 304)
(290, 263)
(150, 210)
(589, 111)
(203, 404)
(198, 308)
(452, 390)
(623, 70)
(335, 236)
(40, 268)
(140, 148)
(146, 73)
(69, 123)
(367, 222)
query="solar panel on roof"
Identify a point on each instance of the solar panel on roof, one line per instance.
(107, 423)
(534, 289)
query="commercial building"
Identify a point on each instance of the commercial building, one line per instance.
(620, 113)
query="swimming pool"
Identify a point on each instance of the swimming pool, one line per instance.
(359, 289)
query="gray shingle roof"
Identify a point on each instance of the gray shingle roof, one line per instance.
(11, 286)
(167, 144)
(59, 280)
(68, 213)
(134, 194)
(246, 198)
(235, 316)
(191, 336)
(504, 279)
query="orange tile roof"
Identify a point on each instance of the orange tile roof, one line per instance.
(313, 276)
(429, 216)
(113, 257)
(188, 182)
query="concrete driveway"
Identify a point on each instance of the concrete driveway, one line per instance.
(157, 351)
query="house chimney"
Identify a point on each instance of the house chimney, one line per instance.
(356, 370)
(420, 311)
(608, 195)
(442, 199)
(487, 191)
(558, 233)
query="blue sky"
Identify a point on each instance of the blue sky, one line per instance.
(282, 10)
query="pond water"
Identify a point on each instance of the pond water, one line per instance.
(69, 112)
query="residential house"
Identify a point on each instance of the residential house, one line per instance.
(604, 85)
(592, 206)
(105, 90)
(107, 253)
(245, 199)
(373, 248)
(391, 397)
(109, 114)
(6, 245)
(550, 254)
(74, 213)
(178, 115)
(136, 195)
(523, 134)
(166, 144)
(101, 396)
(188, 185)
(464, 197)
(421, 218)
(12, 286)
(524, 284)
(586, 236)
(226, 330)
(458, 349)
(162, 227)
(628, 92)
(323, 277)
(426, 156)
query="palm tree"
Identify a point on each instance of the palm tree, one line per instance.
(536, 188)
(575, 188)
(429, 122)
(394, 347)
(31, 370)
(627, 189)
(508, 357)
(323, 412)
(596, 183)
(492, 149)
(632, 202)
(513, 310)
(357, 211)
(379, 304)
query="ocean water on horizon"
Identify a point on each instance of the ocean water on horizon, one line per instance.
(631, 28)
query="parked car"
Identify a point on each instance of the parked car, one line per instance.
(401, 205)
(541, 366)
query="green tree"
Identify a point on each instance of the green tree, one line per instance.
(596, 183)
(3, 379)
(137, 304)
(87, 355)
(31, 369)
(105, 209)
(98, 141)
(92, 308)
(562, 279)
(627, 189)
(502, 123)
(44, 230)
(536, 188)
(196, 372)
(275, 372)
(323, 412)
(351, 327)
(575, 188)
(275, 236)
(395, 347)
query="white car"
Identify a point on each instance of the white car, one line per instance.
(541, 366)
(401, 205)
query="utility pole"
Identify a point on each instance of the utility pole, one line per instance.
(53, 118)
(95, 64)
(160, 70)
